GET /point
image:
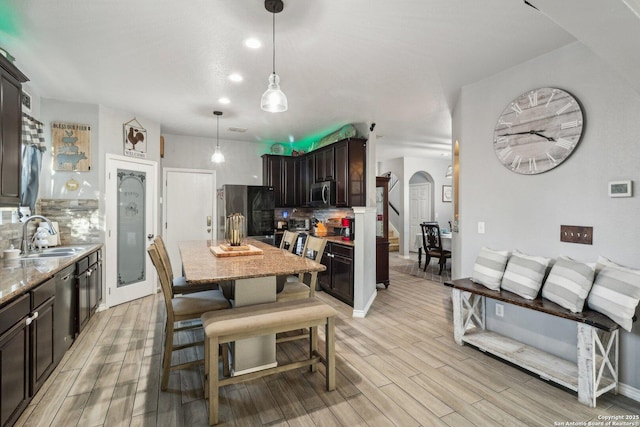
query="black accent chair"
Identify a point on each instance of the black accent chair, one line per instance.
(432, 244)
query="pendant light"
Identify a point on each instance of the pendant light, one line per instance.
(217, 156)
(274, 100)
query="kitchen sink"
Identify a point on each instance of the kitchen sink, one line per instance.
(59, 252)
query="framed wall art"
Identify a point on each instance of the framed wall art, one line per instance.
(447, 193)
(135, 139)
(71, 146)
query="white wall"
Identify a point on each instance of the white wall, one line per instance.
(242, 165)
(525, 212)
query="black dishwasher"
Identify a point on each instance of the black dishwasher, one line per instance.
(64, 313)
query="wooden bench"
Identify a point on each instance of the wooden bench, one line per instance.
(596, 370)
(266, 319)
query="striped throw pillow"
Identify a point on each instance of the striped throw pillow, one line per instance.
(569, 283)
(524, 275)
(616, 292)
(489, 268)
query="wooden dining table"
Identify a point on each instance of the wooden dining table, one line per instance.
(253, 280)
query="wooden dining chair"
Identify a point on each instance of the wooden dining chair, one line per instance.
(305, 286)
(289, 239)
(182, 308)
(432, 244)
(178, 283)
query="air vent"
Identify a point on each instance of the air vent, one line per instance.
(241, 130)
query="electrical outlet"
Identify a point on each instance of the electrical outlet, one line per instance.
(499, 310)
(576, 234)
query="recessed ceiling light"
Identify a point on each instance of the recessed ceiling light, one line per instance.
(224, 100)
(252, 43)
(235, 77)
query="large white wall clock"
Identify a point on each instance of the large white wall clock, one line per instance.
(538, 130)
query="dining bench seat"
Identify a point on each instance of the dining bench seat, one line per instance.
(267, 319)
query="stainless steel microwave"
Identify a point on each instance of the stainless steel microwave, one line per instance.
(323, 194)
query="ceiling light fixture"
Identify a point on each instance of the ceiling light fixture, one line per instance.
(224, 100)
(235, 77)
(274, 100)
(217, 156)
(253, 43)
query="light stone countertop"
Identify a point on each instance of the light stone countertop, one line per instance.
(19, 276)
(201, 266)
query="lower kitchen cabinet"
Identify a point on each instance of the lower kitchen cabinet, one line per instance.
(26, 349)
(14, 359)
(337, 279)
(42, 333)
(89, 287)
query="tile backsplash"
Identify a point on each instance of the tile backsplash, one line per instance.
(78, 221)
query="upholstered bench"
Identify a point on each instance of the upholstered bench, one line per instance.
(596, 370)
(266, 319)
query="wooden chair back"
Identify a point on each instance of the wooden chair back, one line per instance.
(313, 249)
(165, 282)
(431, 238)
(289, 239)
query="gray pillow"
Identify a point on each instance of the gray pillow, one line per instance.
(569, 283)
(524, 275)
(489, 268)
(616, 292)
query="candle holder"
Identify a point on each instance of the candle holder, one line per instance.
(235, 229)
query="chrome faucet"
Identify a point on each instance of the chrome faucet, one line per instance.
(25, 242)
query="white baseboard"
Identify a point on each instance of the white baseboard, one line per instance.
(362, 313)
(630, 392)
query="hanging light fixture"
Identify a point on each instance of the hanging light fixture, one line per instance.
(274, 100)
(217, 156)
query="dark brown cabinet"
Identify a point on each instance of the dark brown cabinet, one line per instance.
(337, 279)
(324, 164)
(14, 359)
(26, 348)
(11, 80)
(350, 170)
(343, 162)
(89, 287)
(272, 175)
(42, 333)
(290, 181)
(382, 230)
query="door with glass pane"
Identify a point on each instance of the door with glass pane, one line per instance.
(131, 224)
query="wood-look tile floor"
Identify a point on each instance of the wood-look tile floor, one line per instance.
(398, 366)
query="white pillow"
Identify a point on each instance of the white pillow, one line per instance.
(489, 268)
(524, 274)
(616, 292)
(569, 283)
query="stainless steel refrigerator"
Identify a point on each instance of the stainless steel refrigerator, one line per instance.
(255, 202)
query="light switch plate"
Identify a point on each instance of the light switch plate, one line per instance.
(480, 227)
(576, 234)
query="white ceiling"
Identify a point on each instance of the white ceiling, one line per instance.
(398, 63)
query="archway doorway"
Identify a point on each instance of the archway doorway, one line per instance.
(421, 204)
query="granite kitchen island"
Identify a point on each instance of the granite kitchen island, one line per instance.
(253, 280)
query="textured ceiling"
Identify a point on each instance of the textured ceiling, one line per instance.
(397, 63)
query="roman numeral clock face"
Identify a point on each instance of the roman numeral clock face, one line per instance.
(538, 131)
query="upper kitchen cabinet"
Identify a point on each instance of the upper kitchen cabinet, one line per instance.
(350, 170)
(324, 163)
(272, 175)
(11, 80)
(342, 162)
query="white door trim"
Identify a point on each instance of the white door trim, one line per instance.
(110, 261)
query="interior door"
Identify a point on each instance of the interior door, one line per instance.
(420, 209)
(188, 209)
(131, 225)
